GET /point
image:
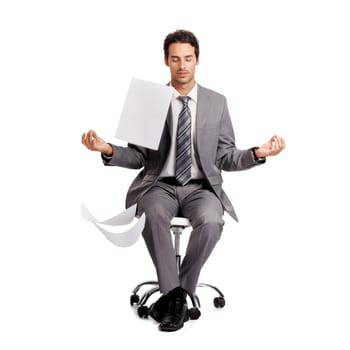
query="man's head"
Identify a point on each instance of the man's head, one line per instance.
(181, 53)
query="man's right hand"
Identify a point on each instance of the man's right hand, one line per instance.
(94, 143)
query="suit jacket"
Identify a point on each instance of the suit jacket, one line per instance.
(214, 147)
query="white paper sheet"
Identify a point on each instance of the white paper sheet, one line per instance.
(123, 239)
(144, 113)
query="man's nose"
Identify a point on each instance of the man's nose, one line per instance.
(183, 65)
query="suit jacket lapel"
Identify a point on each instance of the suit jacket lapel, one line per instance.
(165, 139)
(201, 115)
(169, 120)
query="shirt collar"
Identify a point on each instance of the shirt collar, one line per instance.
(192, 94)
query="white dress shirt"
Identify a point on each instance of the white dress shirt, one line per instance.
(176, 105)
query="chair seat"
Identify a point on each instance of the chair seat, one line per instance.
(180, 221)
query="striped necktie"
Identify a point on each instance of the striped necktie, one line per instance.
(183, 144)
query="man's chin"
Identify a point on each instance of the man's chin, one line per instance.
(184, 80)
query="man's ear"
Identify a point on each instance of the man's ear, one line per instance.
(166, 61)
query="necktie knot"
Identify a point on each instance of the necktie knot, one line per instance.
(184, 100)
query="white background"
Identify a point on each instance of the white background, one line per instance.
(284, 68)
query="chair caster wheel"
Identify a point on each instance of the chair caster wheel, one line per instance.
(194, 313)
(142, 311)
(219, 302)
(134, 299)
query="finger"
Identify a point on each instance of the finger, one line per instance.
(85, 141)
(278, 146)
(92, 133)
(90, 141)
(281, 144)
(278, 143)
(274, 145)
(92, 138)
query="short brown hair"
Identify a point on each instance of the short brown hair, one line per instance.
(181, 36)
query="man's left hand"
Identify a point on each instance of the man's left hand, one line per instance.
(271, 148)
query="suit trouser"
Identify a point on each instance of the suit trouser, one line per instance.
(194, 201)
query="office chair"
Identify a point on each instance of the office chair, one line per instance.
(177, 226)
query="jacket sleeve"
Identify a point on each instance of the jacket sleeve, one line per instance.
(229, 157)
(132, 157)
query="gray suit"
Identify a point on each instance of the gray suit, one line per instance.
(215, 150)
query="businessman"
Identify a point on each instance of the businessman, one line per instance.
(184, 176)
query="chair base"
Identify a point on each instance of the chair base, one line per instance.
(178, 224)
(194, 312)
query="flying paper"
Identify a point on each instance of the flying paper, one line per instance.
(123, 239)
(144, 113)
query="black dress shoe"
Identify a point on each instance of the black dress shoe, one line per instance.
(175, 316)
(158, 309)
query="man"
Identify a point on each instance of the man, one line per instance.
(184, 176)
